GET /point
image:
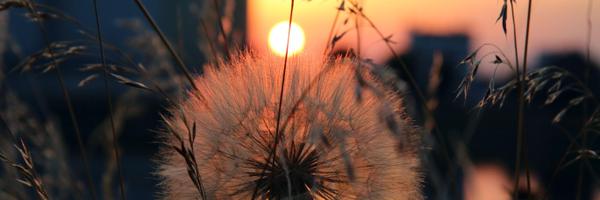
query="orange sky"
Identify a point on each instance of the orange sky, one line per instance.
(558, 25)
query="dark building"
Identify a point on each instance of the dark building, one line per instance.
(420, 60)
(451, 115)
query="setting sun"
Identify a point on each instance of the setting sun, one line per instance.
(278, 38)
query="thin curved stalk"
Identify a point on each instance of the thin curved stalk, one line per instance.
(166, 42)
(278, 123)
(67, 99)
(222, 30)
(521, 135)
(210, 44)
(586, 77)
(333, 25)
(441, 139)
(109, 102)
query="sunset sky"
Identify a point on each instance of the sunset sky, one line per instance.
(557, 25)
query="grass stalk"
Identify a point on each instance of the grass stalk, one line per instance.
(27, 169)
(12, 135)
(520, 107)
(586, 77)
(515, 41)
(278, 122)
(358, 41)
(588, 47)
(521, 135)
(439, 137)
(210, 44)
(333, 25)
(282, 89)
(109, 101)
(166, 42)
(67, 98)
(222, 29)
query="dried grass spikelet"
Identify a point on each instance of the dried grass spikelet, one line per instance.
(332, 147)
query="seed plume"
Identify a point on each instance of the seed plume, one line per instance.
(333, 145)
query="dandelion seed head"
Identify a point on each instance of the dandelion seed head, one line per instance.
(332, 146)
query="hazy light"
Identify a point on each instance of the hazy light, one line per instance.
(278, 38)
(404, 19)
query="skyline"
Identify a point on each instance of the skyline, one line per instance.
(404, 18)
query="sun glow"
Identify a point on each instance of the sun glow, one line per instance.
(278, 38)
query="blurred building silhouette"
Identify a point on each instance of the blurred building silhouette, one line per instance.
(453, 49)
(420, 60)
(560, 137)
(489, 135)
(574, 62)
(494, 141)
(437, 56)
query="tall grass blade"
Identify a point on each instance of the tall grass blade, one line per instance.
(67, 98)
(109, 101)
(166, 42)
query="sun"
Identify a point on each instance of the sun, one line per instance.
(278, 38)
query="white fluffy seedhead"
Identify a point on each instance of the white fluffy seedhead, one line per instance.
(333, 145)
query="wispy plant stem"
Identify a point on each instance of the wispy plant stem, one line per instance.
(333, 25)
(166, 42)
(282, 90)
(520, 104)
(210, 44)
(358, 41)
(12, 135)
(515, 41)
(524, 74)
(440, 138)
(521, 136)
(28, 171)
(109, 102)
(67, 98)
(222, 30)
(588, 49)
(278, 122)
(586, 77)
